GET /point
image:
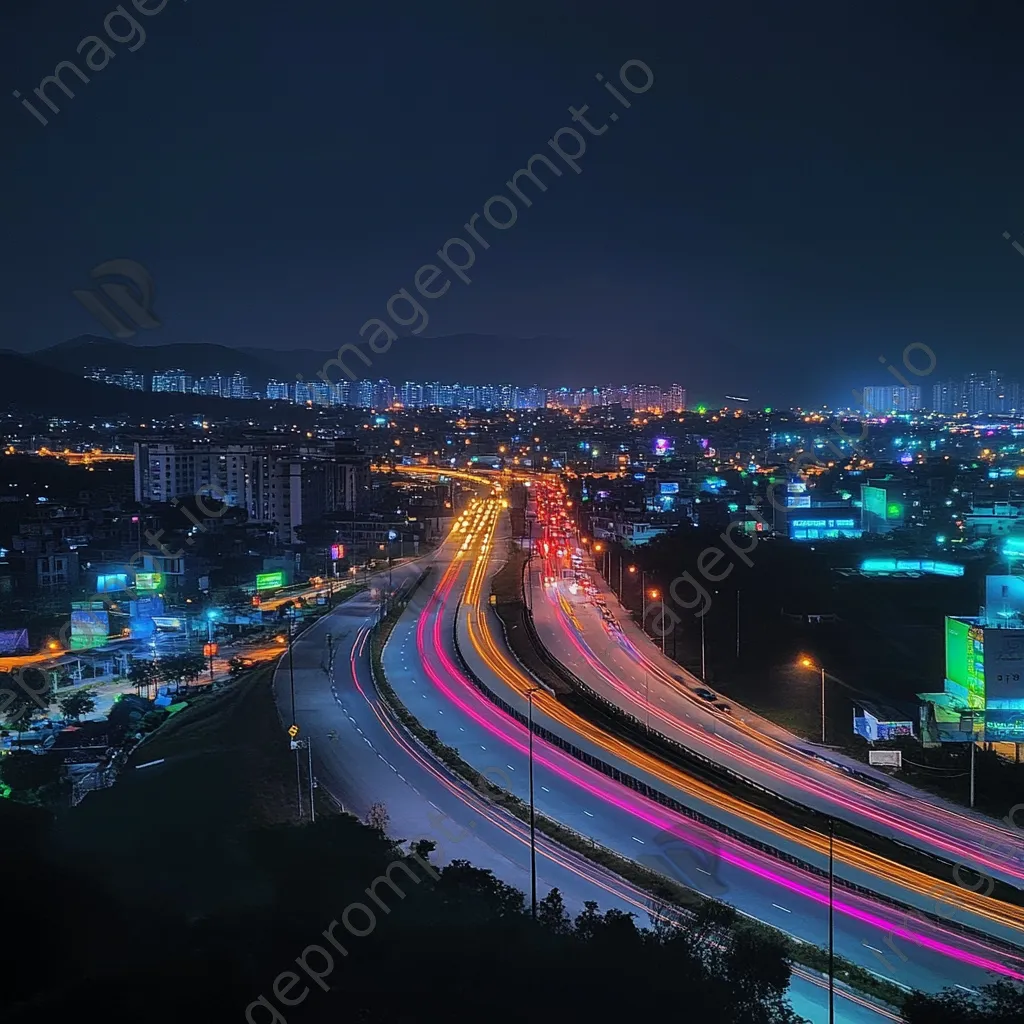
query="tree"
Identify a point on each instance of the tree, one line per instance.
(74, 705)
(143, 674)
(423, 848)
(552, 915)
(182, 668)
(23, 695)
(1002, 1002)
(377, 817)
(23, 771)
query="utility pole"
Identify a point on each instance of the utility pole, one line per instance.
(831, 934)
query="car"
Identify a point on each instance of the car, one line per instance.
(705, 694)
(725, 709)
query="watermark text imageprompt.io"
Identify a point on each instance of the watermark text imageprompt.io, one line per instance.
(120, 26)
(459, 254)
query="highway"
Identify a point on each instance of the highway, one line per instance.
(616, 659)
(421, 662)
(362, 757)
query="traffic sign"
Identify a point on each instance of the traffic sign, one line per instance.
(293, 731)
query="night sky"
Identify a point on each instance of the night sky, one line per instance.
(804, 188)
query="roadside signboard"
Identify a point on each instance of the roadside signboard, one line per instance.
(886, 758)
(269, 580)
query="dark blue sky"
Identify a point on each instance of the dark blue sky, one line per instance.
(806, 186)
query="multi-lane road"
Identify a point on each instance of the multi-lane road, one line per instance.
(363, 757)
(614, 658)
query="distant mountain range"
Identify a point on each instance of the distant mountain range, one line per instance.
(514, 360)
(51, 381)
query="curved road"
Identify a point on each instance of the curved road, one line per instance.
(362, 757)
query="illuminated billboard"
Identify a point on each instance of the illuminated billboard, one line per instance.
(89, 629)
(1004, 666)
(1005, 725)
(269, 580)
(874, 500)
(13, 640)
(337, 551)
(895, 565)
(111, 583)
(149, 580)
(965, 662)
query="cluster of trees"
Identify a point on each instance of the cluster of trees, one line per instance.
(456, 943)
(31, 695)
(177, 669)
(233, 912)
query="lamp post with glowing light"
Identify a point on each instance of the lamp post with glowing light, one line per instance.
(655, 594)
(808, 663)
(210, 616)
(533, 818)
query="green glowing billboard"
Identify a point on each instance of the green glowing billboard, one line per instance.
(148, 580)
(965, 662)
(269, 580)
(874, 500)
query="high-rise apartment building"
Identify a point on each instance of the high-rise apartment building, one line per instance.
(879, 399)
(277, 391)
(118, 378)
(281, 485)
(172, 380)
(948, 397)
(675, 399)
(979, 394)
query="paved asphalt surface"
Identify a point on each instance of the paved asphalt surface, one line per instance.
(362, 757)
(618, 818)
(621, 663)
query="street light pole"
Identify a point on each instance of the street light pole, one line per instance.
(533, 819)
(647, 697)
(822, 703)
(312, 807)
(703, 661)
(973, 745)
(831, 935)
(291, 685)
(209, 642)
(737, 624)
